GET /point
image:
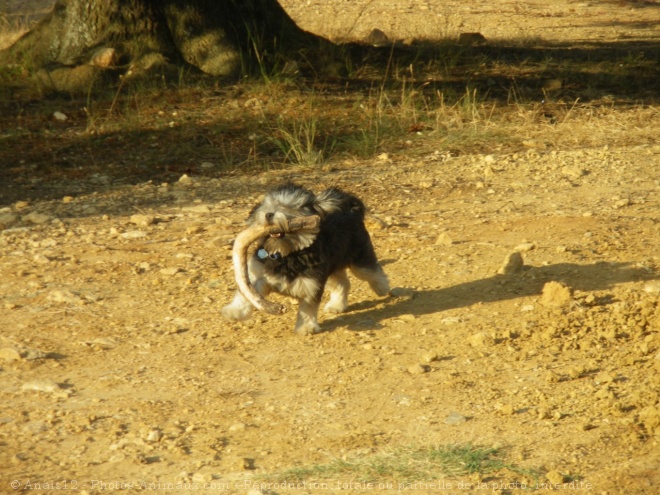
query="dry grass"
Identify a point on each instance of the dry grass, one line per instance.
(437, 99)
(18, 16)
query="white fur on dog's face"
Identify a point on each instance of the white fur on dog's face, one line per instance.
(280, 206)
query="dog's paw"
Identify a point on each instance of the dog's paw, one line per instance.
(381, 287)
(236, 312)
(335, 307)
(307, 328)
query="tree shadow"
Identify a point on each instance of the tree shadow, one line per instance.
(43, 159)
(369, 315)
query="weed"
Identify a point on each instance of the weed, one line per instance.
(410, 464)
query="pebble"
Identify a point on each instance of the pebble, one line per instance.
(556, 295)
(133, 234)
(41, 386)
(524, 247)
(196, 209)
(429, 357)
(402, 293)
(454, 418)
(444, 240)
(506, 409)
(184, 180)
(418, 369)
(170, 271)
(142, 220)
(513, 263)
(64, 296)
(41, 258)
(7, 220)
(204, 475)
(480, 339)
(36, 218)
(9, 354)
(154, 435)
(555, 477)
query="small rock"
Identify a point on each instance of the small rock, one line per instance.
(196, 209)
(402, 293)
(652, 287)
(204, 475)
(418, 369)
(454, 418)
(480, 339)
(41, 258)
(472, 39)
(555, 477)
(429, 357)
(650, 417)
(622, 202)
(154, 435)
(556, 295)
(133, 234)
(507, 409)
(551, 377)
(142, 220)
(104, 57)
(9, 354)
(512, 264)
(170, 272)
(524, 247)
(207, 165)
(184, 180)
(36, 218)
(444, 240)
(377, 38)
(451, 320)
(41, 386)
(67, 199)
(7, 220)
(64, 296)
(573, 172)
(60, 116)
(603, 377)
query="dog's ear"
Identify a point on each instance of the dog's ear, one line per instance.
(333, 200)
(329, 201)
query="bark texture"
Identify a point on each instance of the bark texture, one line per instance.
(220, 37)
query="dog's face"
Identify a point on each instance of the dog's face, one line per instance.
(278, 207)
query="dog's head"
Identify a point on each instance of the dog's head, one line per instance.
(278, 207)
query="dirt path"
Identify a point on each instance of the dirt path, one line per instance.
(117, 373)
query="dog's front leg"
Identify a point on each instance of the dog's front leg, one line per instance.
(240, 308)
(306, 321)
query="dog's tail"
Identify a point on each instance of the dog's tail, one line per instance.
(335, 200)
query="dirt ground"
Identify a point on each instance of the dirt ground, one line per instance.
(118, 374)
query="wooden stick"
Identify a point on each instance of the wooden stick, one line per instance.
(240, 258)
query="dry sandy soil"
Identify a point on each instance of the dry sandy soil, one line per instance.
(117, 373)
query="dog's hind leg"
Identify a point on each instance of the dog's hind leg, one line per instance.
(339, 286)
(375, 276)
(306, 321)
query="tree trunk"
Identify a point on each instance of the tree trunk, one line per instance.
(220, 37)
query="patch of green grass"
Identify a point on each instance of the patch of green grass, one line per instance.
(405, 465)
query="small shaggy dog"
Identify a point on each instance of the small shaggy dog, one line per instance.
(299, 264)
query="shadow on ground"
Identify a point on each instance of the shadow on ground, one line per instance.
(585, 278)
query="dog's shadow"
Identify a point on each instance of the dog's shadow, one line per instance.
(368, 315)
